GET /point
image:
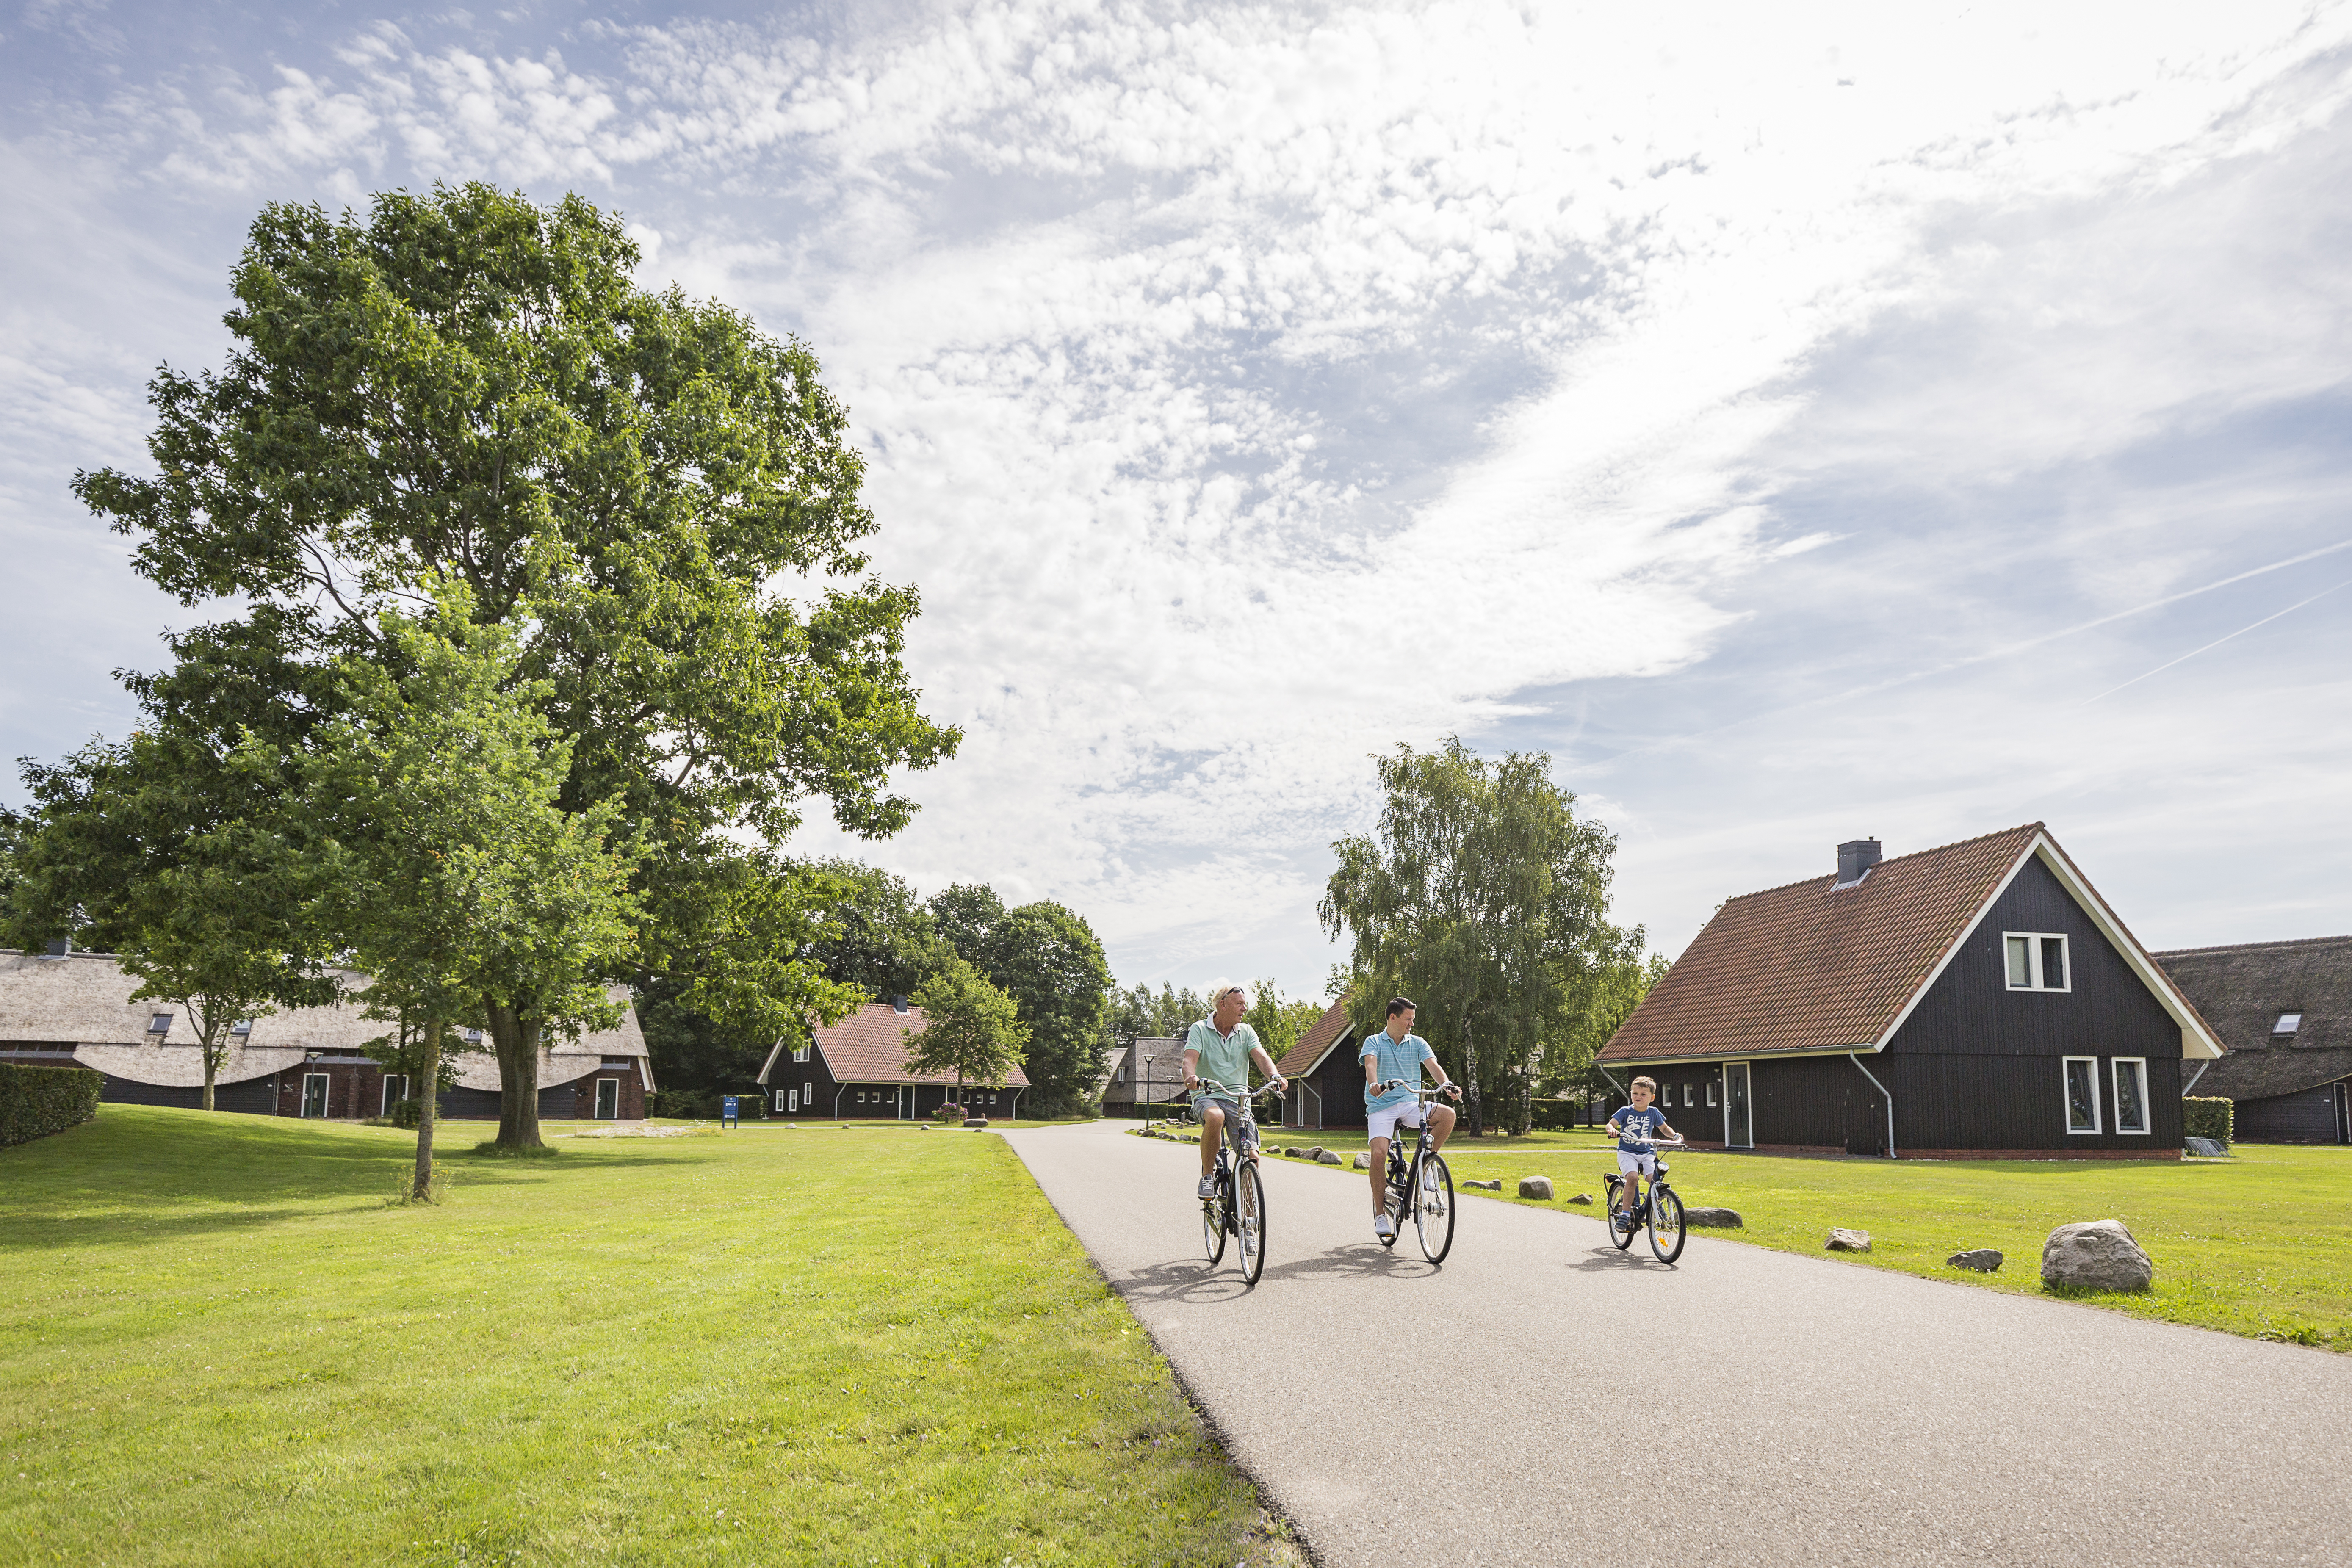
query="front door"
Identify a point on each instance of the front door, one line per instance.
(1738, 1132)
(608, 1098)
(314, 1094)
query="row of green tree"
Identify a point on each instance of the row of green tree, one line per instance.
(539, 619)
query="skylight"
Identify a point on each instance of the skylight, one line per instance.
(2288, 1024)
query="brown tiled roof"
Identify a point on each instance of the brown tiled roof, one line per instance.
(1302, 1056)
(1803, 968)
(870, 1046)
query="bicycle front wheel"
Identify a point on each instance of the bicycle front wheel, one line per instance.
(1433, 1209)
(1665, 1223)
(1213, 1224)
(1249, 1222)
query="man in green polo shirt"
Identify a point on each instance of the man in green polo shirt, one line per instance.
(1220, 1049)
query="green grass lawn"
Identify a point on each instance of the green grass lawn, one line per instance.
(2259, 1243)
(224, 1345)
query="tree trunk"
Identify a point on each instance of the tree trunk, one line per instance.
(212, 1070)
(514, 1037)
(427, 1114)
(1470, 1084)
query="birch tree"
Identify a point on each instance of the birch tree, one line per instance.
(1479, 895)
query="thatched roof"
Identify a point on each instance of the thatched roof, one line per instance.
(2245, 991)
(82, 1002)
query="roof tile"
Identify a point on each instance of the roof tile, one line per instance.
(870, 1046)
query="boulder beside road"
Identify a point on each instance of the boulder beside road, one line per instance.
(1536, 1187)
(1494, 1186)
(1325, 1157)
(1983, 1260)
(1713, 1219)
(2096, 1255)
(1841, 1239)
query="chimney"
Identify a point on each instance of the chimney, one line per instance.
(60, 947)
(898, 1004)
(1855, 857)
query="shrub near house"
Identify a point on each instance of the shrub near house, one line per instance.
(35, 1101)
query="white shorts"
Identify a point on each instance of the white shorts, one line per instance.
(1645, 1164)
(1384, 1123)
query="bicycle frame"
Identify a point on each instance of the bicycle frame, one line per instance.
(1403, 1173)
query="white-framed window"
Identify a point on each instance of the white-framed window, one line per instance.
(792, 1099)
(2131, 1094)
(2036, 961)
(779, 1101)
(801, 1054)
(1710, 1094)
(2081, 1081)
(808, 1094)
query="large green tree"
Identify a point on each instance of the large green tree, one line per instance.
(1480, 895)
(443, 854)
(1045, 957)
(468, 384)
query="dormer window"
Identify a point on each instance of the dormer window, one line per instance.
(2288, 1023)
(2036, 961)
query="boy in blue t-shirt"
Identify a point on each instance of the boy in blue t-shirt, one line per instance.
(1638, 1127)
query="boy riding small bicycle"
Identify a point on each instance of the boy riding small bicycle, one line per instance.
(1639, 1127)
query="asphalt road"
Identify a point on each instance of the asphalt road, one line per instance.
(1543, 1398)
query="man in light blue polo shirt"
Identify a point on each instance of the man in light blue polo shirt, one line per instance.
(1395, 1053)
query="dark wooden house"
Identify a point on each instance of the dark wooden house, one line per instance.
(1149, 1072)
(1976, 1001)
(2284, 1010)
(857, 1071)
(74, 1008)
(1326, 1076)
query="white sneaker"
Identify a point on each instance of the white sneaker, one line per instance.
(1207, 1189)
(1383, 1228)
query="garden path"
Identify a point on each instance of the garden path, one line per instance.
(1545, 1399)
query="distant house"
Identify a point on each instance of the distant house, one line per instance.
(1326, 1076)
(857, 1071)
(2284, 1010)
(1149, 1071)
(74, 1008)
(1976, 1001)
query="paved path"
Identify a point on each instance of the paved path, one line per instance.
(1799, 1410)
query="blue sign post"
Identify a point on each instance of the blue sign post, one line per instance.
(727, 1111)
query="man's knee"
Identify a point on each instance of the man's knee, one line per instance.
(1211, 1117)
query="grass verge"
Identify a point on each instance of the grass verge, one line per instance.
(226, 1346)
(2259, 1243)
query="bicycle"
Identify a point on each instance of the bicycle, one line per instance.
(1659, 1209)
(1428, 1181)
(1238, 1207)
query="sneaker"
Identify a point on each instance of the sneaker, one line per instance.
(1383, 1228)
(1207, 1189)
(1623, 1221)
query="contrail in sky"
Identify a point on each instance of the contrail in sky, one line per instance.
(2217, 642)
(2009, 648)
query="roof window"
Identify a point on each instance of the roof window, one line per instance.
(2288, 1023)
(160, 1023)
(242, 1029)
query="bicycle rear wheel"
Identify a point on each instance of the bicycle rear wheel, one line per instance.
(1623, 1235)
(1433, 1209)
(1212, 1224)
(1249, 1221)
(1665, 1223)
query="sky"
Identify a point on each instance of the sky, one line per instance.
(1801, 422)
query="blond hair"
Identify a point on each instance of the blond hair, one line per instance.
(1220, 990)
(1651, 1081)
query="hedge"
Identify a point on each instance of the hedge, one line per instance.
(37, 1101)
(2208, 1117)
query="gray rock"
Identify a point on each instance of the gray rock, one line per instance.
(1713, 1219)
(1581, 1198)
(1292, 1153)
(1841, 1239)
(1485, 1186)
(2205, 1148)
(975, 1122)
(1363, 1163)
(2099, 1255)
(1315, 1151)
(922, 1127)
(1325, 1157)
(1536, 1187)
(1983, 1260)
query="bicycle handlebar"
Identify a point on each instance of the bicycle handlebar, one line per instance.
(1419, 1093)
(1212, 1087)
